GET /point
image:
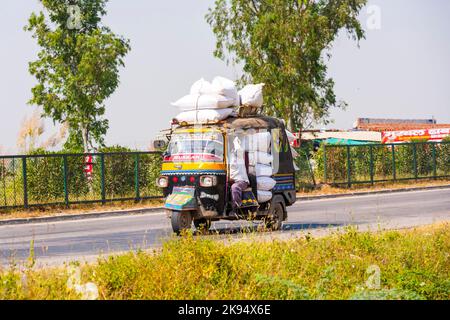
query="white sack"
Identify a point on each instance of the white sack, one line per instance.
(226, 88)
(259, 142)
(202, 87)
(264, 196)
(260, 157)
(263, 170)
(251, 95)
(204, 115)
(201, 102)
(265, 183)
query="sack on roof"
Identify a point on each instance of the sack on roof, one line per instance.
(202, 87)
(203, 116)
(226, 88)
(251, 95)
(203, 101)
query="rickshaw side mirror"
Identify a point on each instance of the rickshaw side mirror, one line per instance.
(159, 144)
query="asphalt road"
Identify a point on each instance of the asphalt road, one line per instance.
(56, 242)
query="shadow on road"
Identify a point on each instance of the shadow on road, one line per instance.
(246, 228)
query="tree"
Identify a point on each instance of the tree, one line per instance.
(77, 67)
(285, 44)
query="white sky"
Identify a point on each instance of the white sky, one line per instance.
(401, 70)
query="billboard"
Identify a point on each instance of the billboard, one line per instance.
(407, 135)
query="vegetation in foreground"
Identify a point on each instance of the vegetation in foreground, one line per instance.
(411, 264)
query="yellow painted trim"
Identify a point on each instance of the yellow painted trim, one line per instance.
(170, 166)
(283, 175)
(197, 130)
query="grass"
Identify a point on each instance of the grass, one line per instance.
(412, 264)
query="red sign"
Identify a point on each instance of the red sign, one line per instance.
(296, 142)
(88, 166)
(404, 136)
(192, 157)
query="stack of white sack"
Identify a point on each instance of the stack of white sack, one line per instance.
(260, 158)
(208, 101)
(251, 95)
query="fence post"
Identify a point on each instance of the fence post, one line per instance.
(25, 185)
(371, 164)
(415, 160)
(394, 173)
(434, 160)
(349, 169)
(136, 176)
(66, 191)
(102, 177)
(325, 178)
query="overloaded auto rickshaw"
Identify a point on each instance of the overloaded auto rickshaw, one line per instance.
(195, 175)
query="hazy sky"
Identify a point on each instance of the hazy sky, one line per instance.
(401, 70)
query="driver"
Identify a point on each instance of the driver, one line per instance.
(238, 174)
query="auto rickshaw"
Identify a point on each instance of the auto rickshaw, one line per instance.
(195, 174)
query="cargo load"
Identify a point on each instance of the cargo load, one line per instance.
(260, 141)
(203, 102)
(204, 116)
(251, 95)
(260, 157)
(221, 93)
(264, 196)
(265, 183)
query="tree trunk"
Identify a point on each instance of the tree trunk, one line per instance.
(85, 135)
(290, 123)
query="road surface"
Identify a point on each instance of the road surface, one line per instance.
(56, 242)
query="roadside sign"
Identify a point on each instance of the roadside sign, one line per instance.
(88, 166)
(435, 135)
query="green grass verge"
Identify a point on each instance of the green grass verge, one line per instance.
(413, 264)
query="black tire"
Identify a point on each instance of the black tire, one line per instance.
(202, 224)
(181, 220)
(274, 221)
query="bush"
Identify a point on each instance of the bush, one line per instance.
(46, 176)
(120, 181)
(382, 161)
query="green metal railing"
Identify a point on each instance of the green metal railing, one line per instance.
(60, 179)
(372, 163)
(65, 179)
(347, 165)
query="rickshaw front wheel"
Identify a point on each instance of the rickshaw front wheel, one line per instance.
(181, 220)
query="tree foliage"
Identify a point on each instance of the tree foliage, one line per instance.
(285, 44)
(77, 67)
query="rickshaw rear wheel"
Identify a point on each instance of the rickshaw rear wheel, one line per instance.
(181, 220)
(275, 219)
(202, 224)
